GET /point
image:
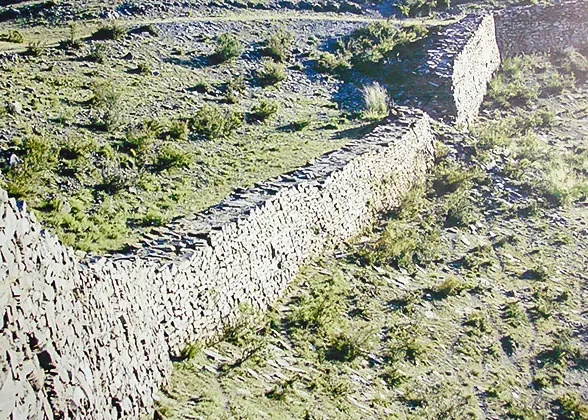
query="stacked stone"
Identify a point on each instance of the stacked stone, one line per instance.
(76, 342)
(92, 339)
(461, 60)
(543, 28)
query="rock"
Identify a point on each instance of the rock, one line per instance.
(15, 108)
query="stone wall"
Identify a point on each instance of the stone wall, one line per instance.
(461, 60)
(543, 28)
(91, 339)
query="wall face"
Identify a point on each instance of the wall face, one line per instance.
(92, 339)
(543, 28)
(462, 59)
(473, 69)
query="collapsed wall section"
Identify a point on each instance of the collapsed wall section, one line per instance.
(92, 339)
(542, 28)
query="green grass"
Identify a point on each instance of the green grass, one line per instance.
(111, 161)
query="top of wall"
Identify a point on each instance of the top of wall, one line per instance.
(445, 46)
(178, 239)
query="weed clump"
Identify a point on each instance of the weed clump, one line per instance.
(375, 100)
(277, 45)
(329, 63)
(36, 49)
(212, 122)
(370, 45)
(109, 31)
(72, 42)
(571, 406)
(271, 72)
(106, 102)
(227, 48)
(97, 53)
(264, 110)
(450, 286)
(172, 156)
(13, 36)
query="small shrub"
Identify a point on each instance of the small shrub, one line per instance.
(146, 29)
(97, 53)
(190, 351)
(478, 322)
(12, 36)
(375, 100)
(298, 125)
(106, 101)
(176, 130)
(227, 48)
(72, 42)
(172, 156)
(405, 343)
(451, 177)
(144, 68)
(572, 407)
(234, 89)
(324, 302)
(369, 45)
(213, 122)
(114, 178)
(515, 314)
(36, 49)
(460, 210)
(106, 120)
(138, 142)
(394, 377)
(346, 347)
(450, 286)
(154, 218)
(78, 147)
(271, 72)
(263, 110)
(104, 94)
(331, 64)
(36, 150)
(277, 45)
(110, 31)
(479, 257)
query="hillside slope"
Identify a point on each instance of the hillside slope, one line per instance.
(467, 302)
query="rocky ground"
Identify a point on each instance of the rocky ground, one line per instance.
(467, 302)
(72, 10)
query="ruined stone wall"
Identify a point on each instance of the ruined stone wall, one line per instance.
(543, 28)
(91, 339)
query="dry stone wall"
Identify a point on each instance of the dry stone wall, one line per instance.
(461, 60)
(91, 339)
(543, 28)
